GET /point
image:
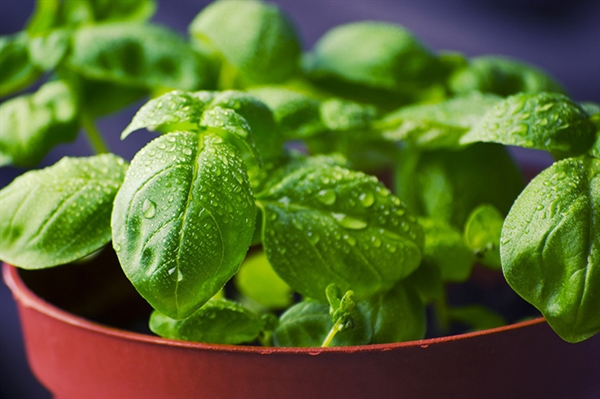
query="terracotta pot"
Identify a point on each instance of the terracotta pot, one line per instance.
(74, 357)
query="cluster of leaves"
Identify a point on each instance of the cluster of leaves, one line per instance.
(320, 251)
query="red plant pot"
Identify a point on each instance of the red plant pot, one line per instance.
(76, 358)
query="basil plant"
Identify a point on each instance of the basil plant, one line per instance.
(336, 193)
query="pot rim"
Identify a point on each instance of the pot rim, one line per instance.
(29, 299)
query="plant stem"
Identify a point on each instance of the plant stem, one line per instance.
(94, 136)
(334, 330)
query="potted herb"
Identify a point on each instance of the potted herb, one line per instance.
(256, 218)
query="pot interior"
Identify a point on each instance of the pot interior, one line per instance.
(96, 289)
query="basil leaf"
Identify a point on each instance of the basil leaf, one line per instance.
(80, 12)
(550, 247)
(593, 109)
(446, 249)
(298, 115)
(257, 41)
(257, 280)
(337, 226)
(398, 315)
(147, 56)
(438, 125)
(427, 282)
(176, 110)
(373, 54)
(32, 124)
(46, 51)
(482, 234)
(183, 220)
(448, 184)
(18, 71)
(340, 115)
(502, 76)
(98, 98)
(61, 213)
(219, 321)
(546, 121)
(308, 323)
(258, 116)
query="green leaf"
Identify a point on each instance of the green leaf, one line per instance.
(373, 54)
(258, 116)
(257, 41)
(18, 71)
(482, 235)
(147, 56)
(550, 246)
(32, 124)
(257, 280)
(99, 98)
(448, 184)
(46, 51)
(502, 76)
(81, 12)
(398, 315)
(173, 111)
(342, 115)
(337, 226)
(446, 250)
(546, 121)
(61, 213)
(298, 115)
(46, 16)
(433, 126)
(183, 220)
(308, 323)
(593, 109)
(427, 281)
(219, 321)
(236, 115)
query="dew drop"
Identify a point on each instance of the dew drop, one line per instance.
(148, 209)
(350, 240)
(366, 199)
(349, 222)
(327, 197)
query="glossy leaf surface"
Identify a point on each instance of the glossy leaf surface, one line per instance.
(183, 221)
(219, 321)
(550, 246)
(437, 125)
(337, 226)
(61, 213)
(545, 121)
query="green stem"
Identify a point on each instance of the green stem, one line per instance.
(334, 330)
(94, 136)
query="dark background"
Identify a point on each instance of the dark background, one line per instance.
(561, 37)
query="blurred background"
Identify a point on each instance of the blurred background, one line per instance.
(561, 37)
